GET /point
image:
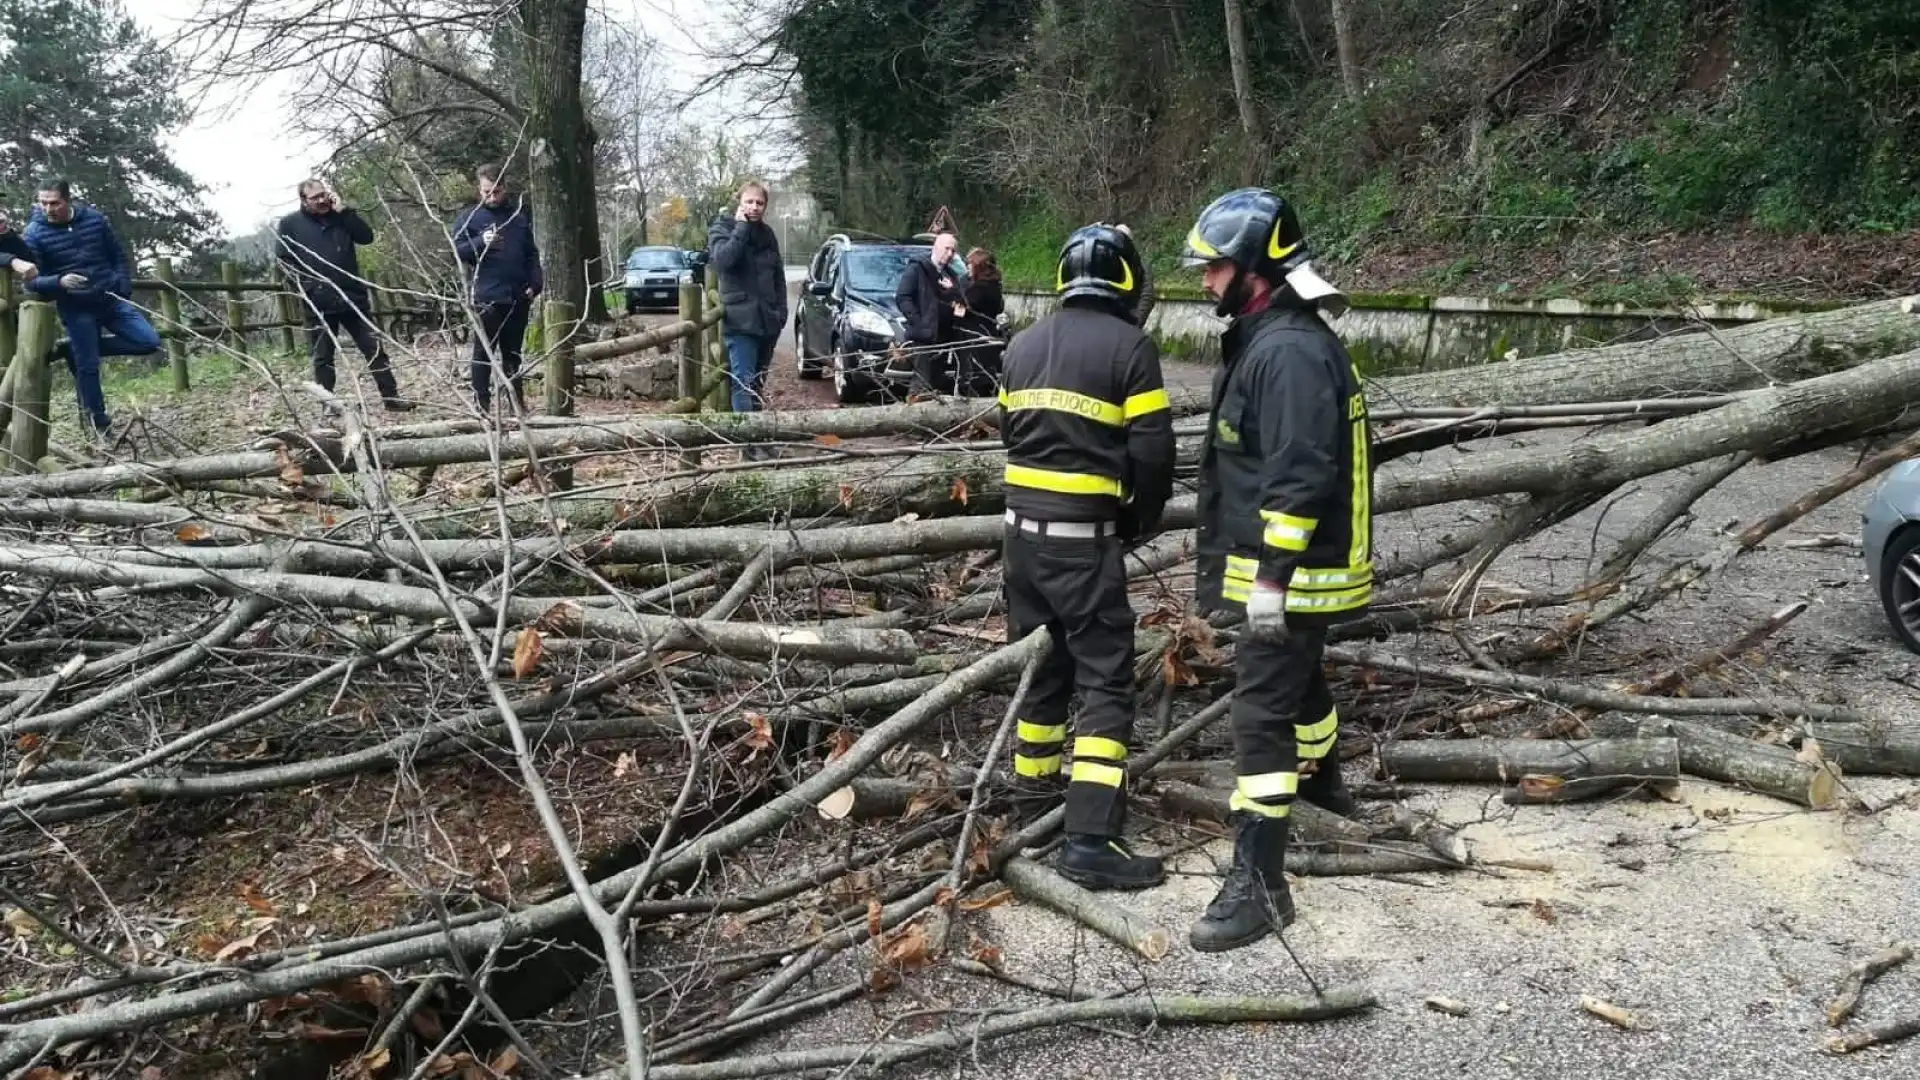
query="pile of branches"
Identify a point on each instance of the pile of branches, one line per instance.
(781, 647)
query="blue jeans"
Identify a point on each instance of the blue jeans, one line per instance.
(748, 357)
(114, 328)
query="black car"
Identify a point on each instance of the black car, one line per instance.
(653, 278)
(846, 322)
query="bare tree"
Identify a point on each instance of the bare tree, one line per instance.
(515, 63)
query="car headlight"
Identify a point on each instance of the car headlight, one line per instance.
(686, 277)
(870, 322)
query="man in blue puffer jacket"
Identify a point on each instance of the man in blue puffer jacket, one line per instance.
(85, 269)
(494, 240)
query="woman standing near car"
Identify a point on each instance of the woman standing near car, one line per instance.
(983, 290)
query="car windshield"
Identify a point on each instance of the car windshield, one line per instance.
(877, 270)
(654, 260)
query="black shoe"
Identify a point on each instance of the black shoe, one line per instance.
(400, 404)
(1034, 797)
(1327, 789)
(1103, 863)
(1253, 902)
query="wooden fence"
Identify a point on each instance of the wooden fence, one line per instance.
(29, 328)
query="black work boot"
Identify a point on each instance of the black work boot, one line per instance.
(1253, 902)
(1035, 796)
(1104, 863)
(1327, 789)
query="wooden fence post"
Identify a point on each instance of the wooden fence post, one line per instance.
(287, 307)
(27, 436)
(692, 358)
(174, 328)
(720, 397)
(560, 327)
(236, 305)
(9, 318)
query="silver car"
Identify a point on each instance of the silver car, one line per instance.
(1890, 539)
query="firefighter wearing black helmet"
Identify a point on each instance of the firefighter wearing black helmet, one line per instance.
(1084, 416)
(1286, 535)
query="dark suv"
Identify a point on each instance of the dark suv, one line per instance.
(846, 322)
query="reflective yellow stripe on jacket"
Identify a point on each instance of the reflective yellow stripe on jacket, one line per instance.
(1066, 483)
(1312, 591)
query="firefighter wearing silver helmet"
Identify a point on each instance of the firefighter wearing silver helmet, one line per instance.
(1285, 535)
(1089, 436)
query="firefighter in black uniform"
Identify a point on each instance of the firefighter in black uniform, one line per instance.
(1084, 416)
(1286, 535)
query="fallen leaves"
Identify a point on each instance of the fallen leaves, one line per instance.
(959, 490)
(250, 895)
(827, 439)
(191, 534)
(528, 646)
(291, 474)
(760, 734)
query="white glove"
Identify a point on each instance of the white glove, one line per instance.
(1267, 611)
(71, 282)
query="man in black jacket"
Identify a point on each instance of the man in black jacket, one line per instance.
(1089, 437)
(494, 239)
(930, 297)
(745, 254)
(1285, 536)
(315, 246)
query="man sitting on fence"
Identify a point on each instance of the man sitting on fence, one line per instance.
(494, 239)
(316, 249)
(84, 268)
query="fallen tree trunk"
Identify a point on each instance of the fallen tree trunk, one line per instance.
(1869, 749)
(1774, 350)
(1508, 760)
(647, 432)
(1734, 759)
(1859, 398)
(559, 616)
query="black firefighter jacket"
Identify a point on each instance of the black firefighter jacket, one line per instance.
(1086, 423)
(1286, 478)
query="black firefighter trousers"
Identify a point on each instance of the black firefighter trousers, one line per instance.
(1282, 717)
(1076, 587)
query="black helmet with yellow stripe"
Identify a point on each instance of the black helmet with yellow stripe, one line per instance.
(1100, 260)
(1258, 232)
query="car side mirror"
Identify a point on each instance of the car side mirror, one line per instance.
(819, 288)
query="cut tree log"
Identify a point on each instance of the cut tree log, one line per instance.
(1871, 749)
(1111, 920)
(1513, 760)
(1734, 759)
(1777, 350)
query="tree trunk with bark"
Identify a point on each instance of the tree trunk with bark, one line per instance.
(1760, 354)
(1343, 44)
(561, 150)
(1242, 79)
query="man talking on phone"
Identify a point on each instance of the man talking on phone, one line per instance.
(316, 249)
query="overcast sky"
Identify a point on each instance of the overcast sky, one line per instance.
(242, 147)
